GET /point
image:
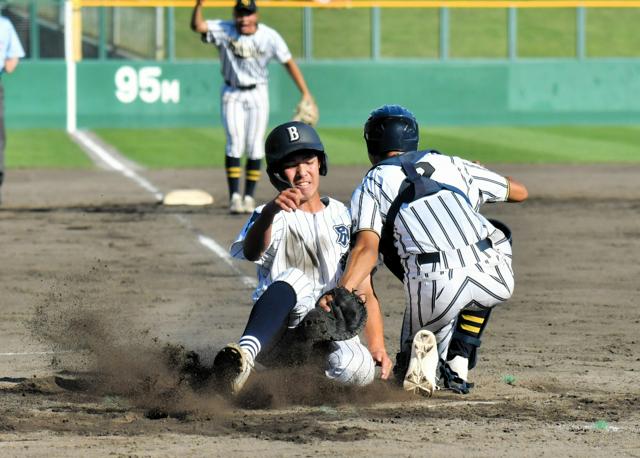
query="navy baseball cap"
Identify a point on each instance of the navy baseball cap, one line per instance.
(245, 7)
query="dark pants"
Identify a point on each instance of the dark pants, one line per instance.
(2, 134)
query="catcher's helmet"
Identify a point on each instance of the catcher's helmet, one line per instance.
(391, 128)
(289, 138)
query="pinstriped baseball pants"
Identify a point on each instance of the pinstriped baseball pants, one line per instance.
(434, 299)
(245, 114)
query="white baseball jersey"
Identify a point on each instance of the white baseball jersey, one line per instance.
(307, 251)
(244, 58)
(446, 223)
(313, 243)
(244, 96)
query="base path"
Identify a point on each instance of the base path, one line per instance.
(94, 273)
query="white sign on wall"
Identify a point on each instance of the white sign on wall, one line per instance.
(145, 84)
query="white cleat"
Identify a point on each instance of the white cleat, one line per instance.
(249, 204)
(235, 204)
(231, 368)
(421, 374)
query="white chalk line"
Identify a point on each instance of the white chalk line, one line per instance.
(35, 353)
(126, 171)
(116, 165)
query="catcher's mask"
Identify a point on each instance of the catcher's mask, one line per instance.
(391, 128)
(286, 139)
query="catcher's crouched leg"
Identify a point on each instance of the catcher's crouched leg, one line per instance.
(350, 362)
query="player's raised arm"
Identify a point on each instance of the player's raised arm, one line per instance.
(259, 236)
(198, 24)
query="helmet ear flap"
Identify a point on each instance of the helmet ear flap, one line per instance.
(324, 163)
(278, 181)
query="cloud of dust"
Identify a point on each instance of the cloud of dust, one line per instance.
(103, 348)
(112, 357)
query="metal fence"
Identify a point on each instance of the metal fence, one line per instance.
(149, 32)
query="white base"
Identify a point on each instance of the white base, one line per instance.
(194, 197)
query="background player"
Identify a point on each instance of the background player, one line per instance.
(10, 53)
(451, 258)
(245, 48)
(297, 242)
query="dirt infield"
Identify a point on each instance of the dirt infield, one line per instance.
(96, 280)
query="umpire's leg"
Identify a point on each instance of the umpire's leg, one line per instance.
(2, 138)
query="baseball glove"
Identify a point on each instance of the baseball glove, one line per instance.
(346, 319)
(307, 112)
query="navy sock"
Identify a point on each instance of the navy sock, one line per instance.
(269, 317)
(252, 173)
(232, 166)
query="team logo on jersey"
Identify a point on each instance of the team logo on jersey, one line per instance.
(244, 48)
(293, 133)
(343, 234)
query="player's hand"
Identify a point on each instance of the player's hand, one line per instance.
(324, 302)
(288, 200)
(382, 359)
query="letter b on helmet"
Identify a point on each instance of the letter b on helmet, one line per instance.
(293, 133)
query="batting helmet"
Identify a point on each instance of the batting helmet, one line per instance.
(391, 128)
(287, 139)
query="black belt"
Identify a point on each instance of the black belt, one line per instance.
(242, 88)
(430, 258)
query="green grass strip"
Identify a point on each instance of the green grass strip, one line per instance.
(43, 148)
(176, 148)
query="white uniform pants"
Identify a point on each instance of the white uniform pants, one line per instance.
(245, 114)
(434, 299)
(349, 361)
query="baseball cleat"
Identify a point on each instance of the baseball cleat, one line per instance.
(249, 204)
(231, 368)
(421, 374)
(235, 204)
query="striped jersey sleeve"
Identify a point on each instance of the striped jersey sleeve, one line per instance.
(487, 185)
(365, 205)
(277, 229)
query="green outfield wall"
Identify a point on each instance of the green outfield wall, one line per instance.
(156, 94)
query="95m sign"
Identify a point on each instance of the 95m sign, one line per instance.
(145, 84)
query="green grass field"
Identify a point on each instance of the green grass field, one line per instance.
(559, 144)
(43, 148)
(192, 148)
(410, 33)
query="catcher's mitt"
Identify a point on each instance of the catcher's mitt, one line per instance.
(307, 112)
(346, 319)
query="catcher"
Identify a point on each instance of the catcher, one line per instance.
(299, 242)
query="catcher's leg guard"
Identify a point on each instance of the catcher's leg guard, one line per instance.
(463, 347)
